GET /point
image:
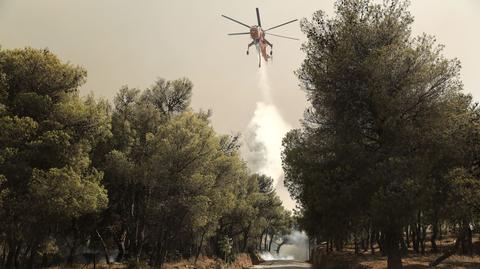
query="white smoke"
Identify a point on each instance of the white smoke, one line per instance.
(297, 246)
(265, 132)
(267, 256)
(263, 142)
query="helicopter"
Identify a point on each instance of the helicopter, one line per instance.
(258, 37)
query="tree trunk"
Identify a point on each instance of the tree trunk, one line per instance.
(71, 254)
(121, 246)
(392, 241)
(265, 243)
(121, 251)
(31, 262)
(407, 236)
(280, 245)
(338, 245)
(423, 237)
(420, 234)
(158, 249)
(44, 260)
(4, 255)
(440, 232)
(261, 241)
(433, 239)
(105, 248)
(415, 239)
(449, 252)
(355, 242)
(372, 241)
(470, 240)
(380, 241)
(466, 242)
(10, 257)
(270, 244)
(73, 247)
(17, 256)
(245, 237)
(163, 256)
(403, 246)
(199, 249)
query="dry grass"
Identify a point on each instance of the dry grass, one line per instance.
(421, 262)
(99, 266)
(202, 263)
(242, 261)
(348, 260)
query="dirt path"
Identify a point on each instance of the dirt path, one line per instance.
(283, 264)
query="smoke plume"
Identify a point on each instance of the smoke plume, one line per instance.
(264, 134)
(263, 142)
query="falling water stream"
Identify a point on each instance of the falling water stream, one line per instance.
(263, 142)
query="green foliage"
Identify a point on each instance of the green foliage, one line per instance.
(147, 175)
(39, 71)
(186, 185)
(463, 200)
(171, 96)
(64, 193)
(387, 124)
(48, 133)
(226, 245)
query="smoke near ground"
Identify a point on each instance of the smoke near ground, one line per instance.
(296, 249)
(263, 146)
(267, 256)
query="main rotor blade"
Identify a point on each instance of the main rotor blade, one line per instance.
(293, 38)
(245, 33)
(236, 21)
(281, 24)
(258, 18)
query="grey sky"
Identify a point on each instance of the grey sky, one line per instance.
(133, 42)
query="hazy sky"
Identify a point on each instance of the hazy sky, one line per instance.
(133, 42)
(130, 42)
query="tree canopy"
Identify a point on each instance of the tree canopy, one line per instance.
(145, 177)
(388, 134)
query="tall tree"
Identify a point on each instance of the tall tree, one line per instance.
(378, 99)
(150, 176)
(48, 133)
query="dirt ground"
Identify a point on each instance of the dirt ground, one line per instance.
(347, 260)
(420, 262)
(242, 261)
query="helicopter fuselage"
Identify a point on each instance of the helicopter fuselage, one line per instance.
(256, 33)
(258, 36)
